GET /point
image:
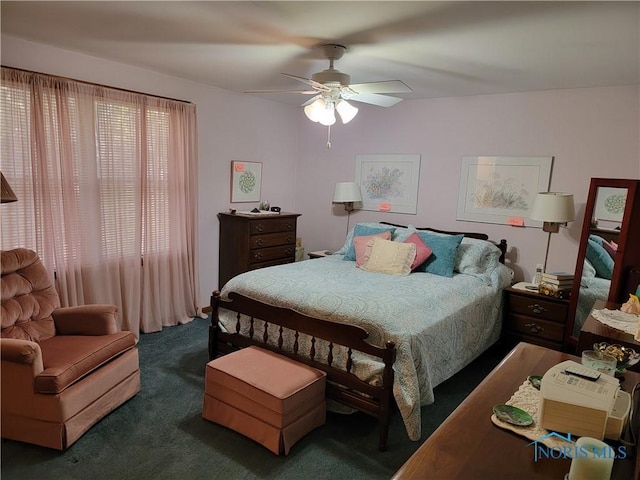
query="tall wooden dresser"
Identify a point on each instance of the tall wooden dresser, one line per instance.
(248, 242)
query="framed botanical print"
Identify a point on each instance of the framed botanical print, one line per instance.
(497, 189)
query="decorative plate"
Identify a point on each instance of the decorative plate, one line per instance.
(512, 415)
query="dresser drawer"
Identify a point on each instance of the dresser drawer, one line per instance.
(535, 327)
(537, 307)
(272, 253)
(272, 239)
(272, 225)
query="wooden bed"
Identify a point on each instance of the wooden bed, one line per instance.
(283, 330)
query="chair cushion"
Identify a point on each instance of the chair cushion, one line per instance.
(28, 296)
(68, 358)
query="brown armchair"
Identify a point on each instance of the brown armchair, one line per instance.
(63, 369)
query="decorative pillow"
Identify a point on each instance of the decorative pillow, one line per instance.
(360, 244)
(588, 274)
(476, 257)
(386, 256)
(422, 251)
(363, 229)
(611, 248)
(444, 248)
(600, 259)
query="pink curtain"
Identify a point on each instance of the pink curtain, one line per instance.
(106, 184)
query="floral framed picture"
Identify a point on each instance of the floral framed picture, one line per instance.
(389, 183)
(502, 189)
(246, 180)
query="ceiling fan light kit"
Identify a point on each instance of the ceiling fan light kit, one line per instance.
(332, 89)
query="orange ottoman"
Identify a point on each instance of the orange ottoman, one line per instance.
(264, 396)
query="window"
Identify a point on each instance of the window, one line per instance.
(105, 181)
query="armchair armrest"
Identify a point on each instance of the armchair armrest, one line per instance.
(95, 319)
(20, 351)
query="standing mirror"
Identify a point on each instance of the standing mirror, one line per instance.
(608, 262)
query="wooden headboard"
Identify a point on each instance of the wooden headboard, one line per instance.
(502, 245)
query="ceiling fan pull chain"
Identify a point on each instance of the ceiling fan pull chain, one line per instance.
(329, 137)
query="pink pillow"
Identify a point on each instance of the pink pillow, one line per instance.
(361, 244)
(611, 248)
(422, 250)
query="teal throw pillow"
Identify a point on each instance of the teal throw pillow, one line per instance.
(600, 259)
(443, 256)
(364, 230)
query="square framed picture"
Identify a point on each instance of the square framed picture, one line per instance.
(246, 180)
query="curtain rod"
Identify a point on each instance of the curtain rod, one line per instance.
(99, 85)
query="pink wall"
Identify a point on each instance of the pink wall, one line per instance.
(590, 132)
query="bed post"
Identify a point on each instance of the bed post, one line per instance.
(214, 328)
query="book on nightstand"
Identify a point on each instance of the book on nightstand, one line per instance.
(556, 291)
(560, 280)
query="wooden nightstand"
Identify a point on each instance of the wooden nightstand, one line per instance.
(534, 318)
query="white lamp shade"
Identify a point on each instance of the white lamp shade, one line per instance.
(553, 207)
(346, 110)
(347, 192)
(314, 110)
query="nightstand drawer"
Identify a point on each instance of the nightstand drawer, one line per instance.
(272, 225)
(537, 307)
(272, 239)
(274, 253)
(536, 327)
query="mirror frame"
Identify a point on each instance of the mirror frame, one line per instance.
(627, 256)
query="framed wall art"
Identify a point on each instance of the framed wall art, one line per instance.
(246, 180)
(389, 183)
(502, 189)
(610, 202)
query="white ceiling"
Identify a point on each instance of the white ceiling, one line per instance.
(439, 49)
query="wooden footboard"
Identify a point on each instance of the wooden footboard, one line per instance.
(342, 384)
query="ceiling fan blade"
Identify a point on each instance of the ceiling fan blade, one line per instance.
(303, 92)
(308, 81)
(375, 99)
(311, 100)
(389, 86)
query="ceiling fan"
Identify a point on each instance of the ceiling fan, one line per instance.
(333, 90)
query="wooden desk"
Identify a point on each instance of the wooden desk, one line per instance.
(469, 446)
(594, 331)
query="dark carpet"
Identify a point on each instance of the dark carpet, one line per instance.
(160, 433)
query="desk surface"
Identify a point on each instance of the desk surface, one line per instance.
(469, 446)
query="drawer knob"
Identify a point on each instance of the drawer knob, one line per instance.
(534, 327)
(289, 239)
(260, 227)
(289, 226)
(257, 256)
(537, 309)
(289, 251)
(260, 242)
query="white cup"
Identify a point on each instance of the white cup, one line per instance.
(600, 361)
(593, 460)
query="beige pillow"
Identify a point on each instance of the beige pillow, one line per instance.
(386, 256)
